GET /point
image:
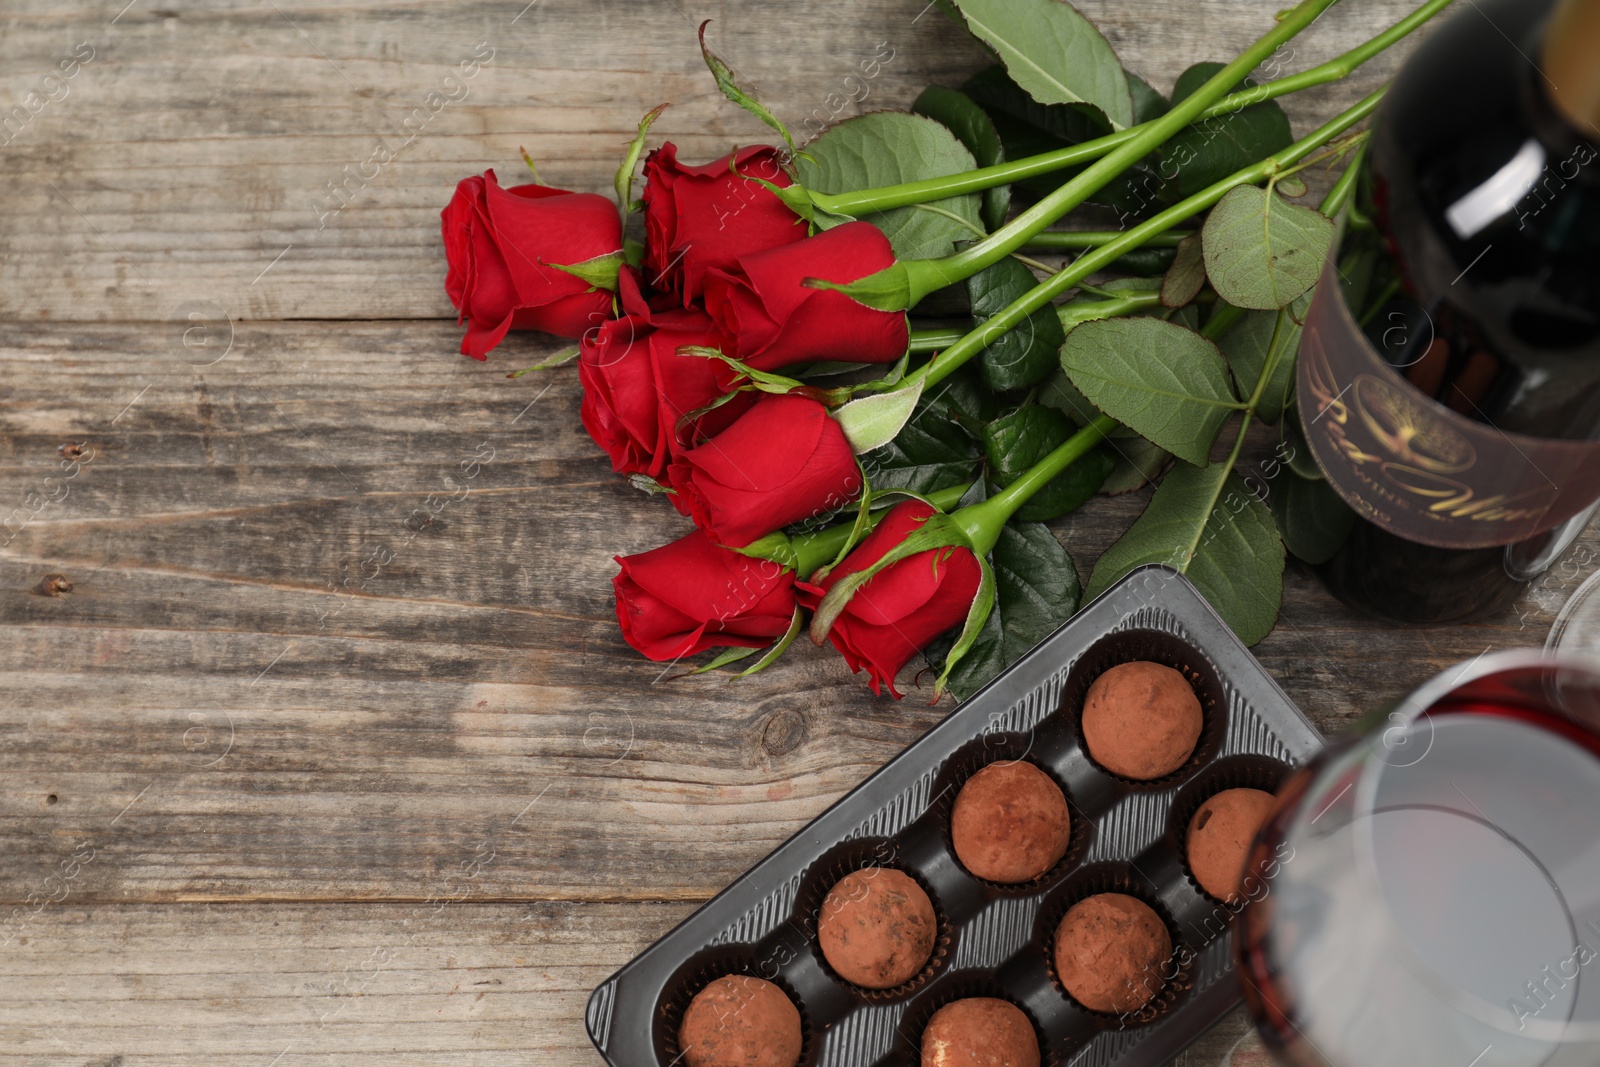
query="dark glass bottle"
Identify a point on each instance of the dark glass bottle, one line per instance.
(1449, 374)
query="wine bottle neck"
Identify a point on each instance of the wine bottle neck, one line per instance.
(1569, 58)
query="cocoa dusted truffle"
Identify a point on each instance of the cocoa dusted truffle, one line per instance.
(1010, 822)
(1219, 840)
(1112, 952)
(740, 1021)
(980, 1032)
(877, 928)
(1141, 720)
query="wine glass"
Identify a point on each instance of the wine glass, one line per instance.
(1427, 892)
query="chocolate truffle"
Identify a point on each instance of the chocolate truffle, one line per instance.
(1112, 952)
(1010, 822)
(877, 928)
(740, 1021)
(1141, 720)
(980, 1032)
(1219, 840)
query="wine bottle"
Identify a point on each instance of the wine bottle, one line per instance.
(1449, 371)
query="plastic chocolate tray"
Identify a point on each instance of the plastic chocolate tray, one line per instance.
(995, 940)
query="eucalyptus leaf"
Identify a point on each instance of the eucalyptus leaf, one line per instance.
(1211, 149)
(1166, 383)
(1248, 343)
(1187, 275)
(887, 148)
(873, 421)
(973, 127)
(1036, 590)
(1311, 516)
(1026, 354)
(1053, 52)
(1203, 522)
(1261, 251)
(1015, 442)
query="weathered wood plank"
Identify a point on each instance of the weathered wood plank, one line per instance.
(289, 724)
(469, 984)
(224, 153)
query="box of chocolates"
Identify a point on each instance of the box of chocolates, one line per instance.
(1047, 877)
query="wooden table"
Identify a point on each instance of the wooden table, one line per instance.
(317, 749)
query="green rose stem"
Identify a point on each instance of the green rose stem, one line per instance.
(982, 522)
(903, 284)
(1071, 240)
(1124, 303)
(970, 345)
(919, 192)
(807, 552)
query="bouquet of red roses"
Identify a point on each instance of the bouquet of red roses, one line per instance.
(744, 345)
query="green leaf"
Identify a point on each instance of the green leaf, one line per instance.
(1148, 105)
(623, 182)
(1292, 444)
(600, 272)
(1262, 252)
(1036, 590)
(931, 452)
(1146, 262)
(1138, 461)
(1015, 442)
(1186, 276)
(1247, 344)
(1053, 52)
(566, 355)
(978, 613)
(871, 422)
(887, 148)
(1212, 149)
(1026, 354)
(733, 91)
(1203, 522)
(1028, 128)
(1312, 517)
(1164, 382)
(972, 125)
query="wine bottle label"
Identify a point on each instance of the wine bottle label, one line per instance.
(1411, 465)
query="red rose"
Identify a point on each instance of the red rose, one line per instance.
(772, 320)
(696, 218)
(902, 607)
(784, 460)
(691, 595)
(500, 244)
(637, 388)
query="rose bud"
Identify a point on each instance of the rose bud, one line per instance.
(902, 607)
(501, 244)
(697, 218)
(691, 595)
(784, 460)
(771, 319)
(637, 388)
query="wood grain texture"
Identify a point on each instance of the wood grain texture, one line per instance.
(341, 985)
(306, 632)
(205, 140)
